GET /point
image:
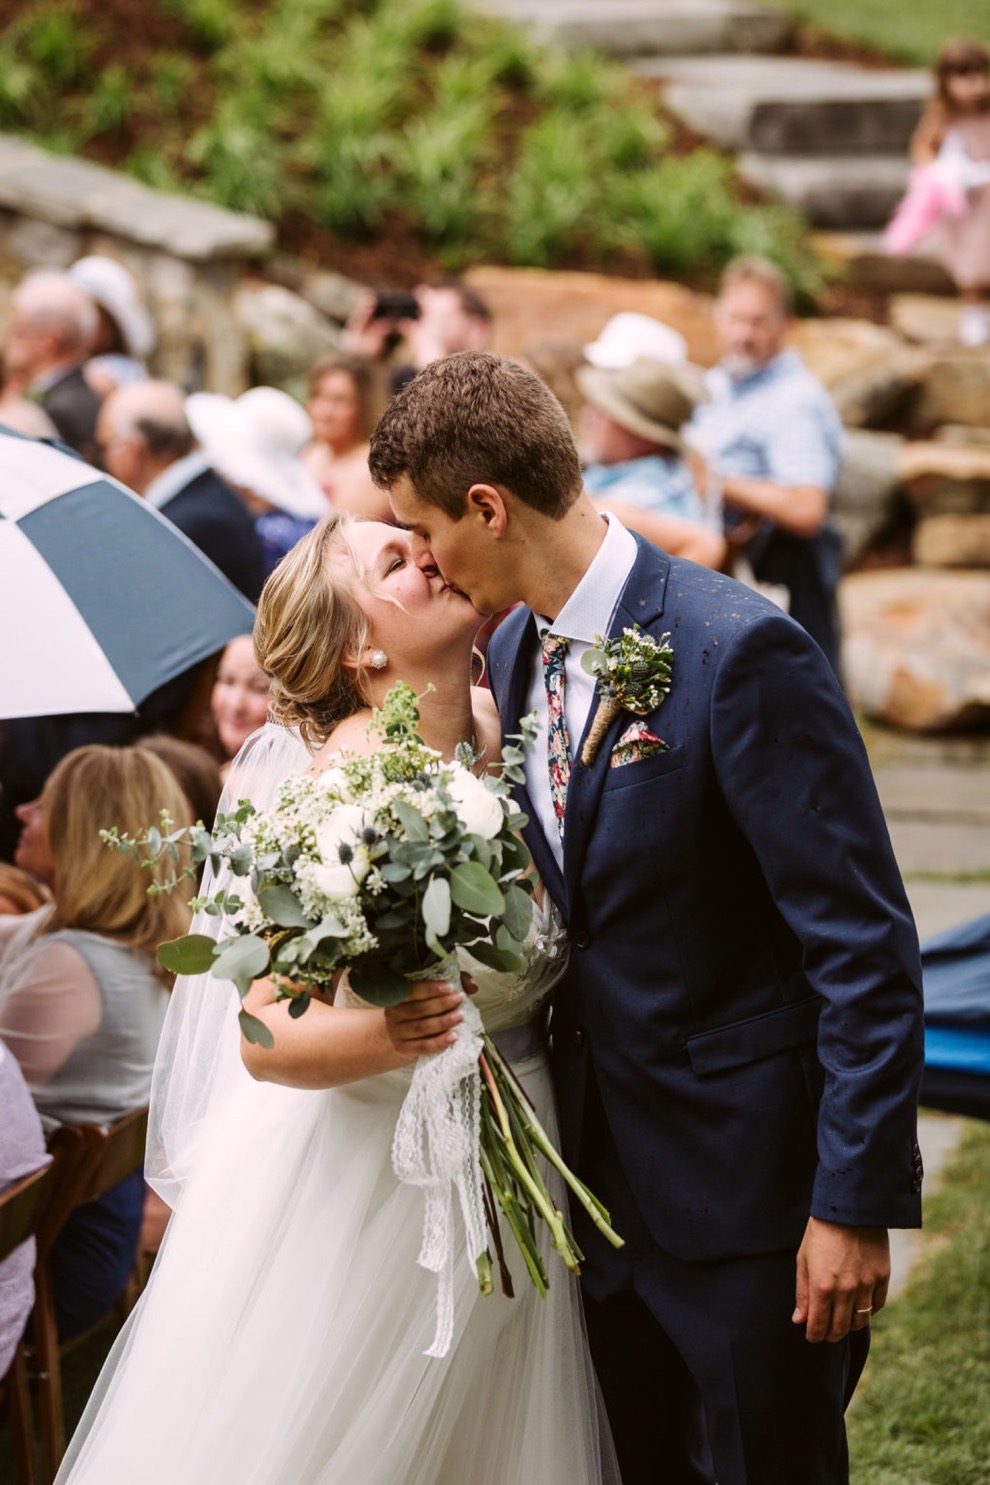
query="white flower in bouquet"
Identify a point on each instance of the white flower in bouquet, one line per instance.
(478, 807)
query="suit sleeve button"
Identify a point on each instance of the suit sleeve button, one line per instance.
(582, 939)
(578, 1035)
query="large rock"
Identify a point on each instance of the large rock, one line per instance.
(285, 334)
(952, 541)
(929, 319)
(532, 305)
(868, 370)
(868, 488)
(942, 478)
(860, 261)
(916, 648)
(836, 191)
(956, 389)
(626, 28)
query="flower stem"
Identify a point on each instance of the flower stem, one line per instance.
(608, 709)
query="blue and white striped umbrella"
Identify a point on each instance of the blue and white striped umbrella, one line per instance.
(101, 599)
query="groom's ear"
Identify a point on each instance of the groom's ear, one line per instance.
(487, 503)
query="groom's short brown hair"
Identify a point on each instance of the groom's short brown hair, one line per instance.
(478, 418)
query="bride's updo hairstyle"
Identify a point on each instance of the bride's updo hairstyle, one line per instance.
(308, 625)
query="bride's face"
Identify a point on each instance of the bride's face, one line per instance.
(411, 611)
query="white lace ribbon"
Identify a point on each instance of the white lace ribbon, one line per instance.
(435, 1147)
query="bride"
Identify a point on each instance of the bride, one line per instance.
(281, 1337)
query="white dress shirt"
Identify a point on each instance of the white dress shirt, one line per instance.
(587, 612)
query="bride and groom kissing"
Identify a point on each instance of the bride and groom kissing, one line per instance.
(736, 1042)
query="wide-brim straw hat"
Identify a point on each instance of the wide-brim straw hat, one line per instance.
(110, 285)
(255, 441)
(649, 398)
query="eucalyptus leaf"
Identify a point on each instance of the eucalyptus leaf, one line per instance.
(241, 859)
(254, 1030)
(474, 890)
(518, 912)
(243, 960)
(193, 954)
(435, 908)
(299, 1004)
(283, 907)
(411, 820)
(379, 985)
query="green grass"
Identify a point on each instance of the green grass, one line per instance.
(921, 1415)
(907, 32)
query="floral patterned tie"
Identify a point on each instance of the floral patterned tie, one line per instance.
(558, 746)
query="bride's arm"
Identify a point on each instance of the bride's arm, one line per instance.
(329, 1045)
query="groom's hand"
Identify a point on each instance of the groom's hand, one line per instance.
(842, 1278)
(426, 1021)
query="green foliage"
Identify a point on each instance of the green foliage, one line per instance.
(921, 1414)
(907, 33)
(364, 113)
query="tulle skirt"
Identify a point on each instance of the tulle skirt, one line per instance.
(281, 1338)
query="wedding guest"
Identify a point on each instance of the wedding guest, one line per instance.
(346, 399)
(196, 769)
(82, 997)
(125, 334)
(148, 445)
(442, 318)
(53, 321)
(239, 700)
(772, 439)
(22, 1150)
(255, 442)
(634, 455)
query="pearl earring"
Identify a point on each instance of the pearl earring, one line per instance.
(378, 659)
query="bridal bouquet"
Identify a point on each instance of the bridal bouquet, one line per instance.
(384, 865)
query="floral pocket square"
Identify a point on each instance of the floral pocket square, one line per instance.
(636, 743)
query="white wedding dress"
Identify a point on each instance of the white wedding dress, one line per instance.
(281, 1337)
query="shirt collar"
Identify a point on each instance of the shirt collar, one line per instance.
(175, 478)
(590, 607)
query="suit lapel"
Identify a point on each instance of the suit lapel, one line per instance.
(513, 667)
(641, 603)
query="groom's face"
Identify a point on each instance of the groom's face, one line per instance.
(462, 551)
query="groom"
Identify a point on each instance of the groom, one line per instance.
(737, 1042)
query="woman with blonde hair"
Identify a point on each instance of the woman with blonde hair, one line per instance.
(82, 997)
(346, 398)
(290, 1269)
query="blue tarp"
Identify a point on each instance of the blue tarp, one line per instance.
(956, 971)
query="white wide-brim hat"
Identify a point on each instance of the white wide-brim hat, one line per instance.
(110, 285)
(650, 398)
(255, 441)
(628, 336)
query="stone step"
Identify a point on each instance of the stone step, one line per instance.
(630, 28)
(792, 105)
(837, 191)
(862, 262)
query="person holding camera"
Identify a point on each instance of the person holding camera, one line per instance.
(433, 321)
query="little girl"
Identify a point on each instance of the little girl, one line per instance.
(948, 200)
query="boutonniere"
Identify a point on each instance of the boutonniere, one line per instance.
(633, 674)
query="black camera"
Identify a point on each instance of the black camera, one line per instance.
(395, 304)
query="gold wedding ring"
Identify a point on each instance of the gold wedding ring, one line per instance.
(867, 1311)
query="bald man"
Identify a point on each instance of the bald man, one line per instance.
(52, 327)
(147, 444)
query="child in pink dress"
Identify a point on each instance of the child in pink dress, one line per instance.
(947, 206)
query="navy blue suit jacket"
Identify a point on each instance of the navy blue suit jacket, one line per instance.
(744, 976)
(216, 520)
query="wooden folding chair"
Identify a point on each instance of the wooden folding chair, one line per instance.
(93, 1158)
(21, 1206)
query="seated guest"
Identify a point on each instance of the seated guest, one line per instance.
(773, 440)
(125, 335)
(255, 442)
(149, 446)
(52, 325)
(22, 1150)
(346, 399)
(239, 702)
(82, 996)
(634, 453)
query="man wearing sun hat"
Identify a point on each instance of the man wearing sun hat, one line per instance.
(635, 465)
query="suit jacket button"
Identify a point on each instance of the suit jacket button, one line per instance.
(578, 1035)
(582, 939)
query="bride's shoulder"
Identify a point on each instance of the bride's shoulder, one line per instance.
(486, 721)
(349, 736)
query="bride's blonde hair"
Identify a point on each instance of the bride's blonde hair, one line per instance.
(308, 626)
